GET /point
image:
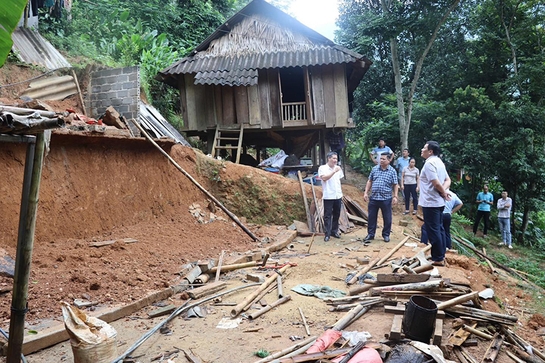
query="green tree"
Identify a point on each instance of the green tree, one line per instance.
(406, 31)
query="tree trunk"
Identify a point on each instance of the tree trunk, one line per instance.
(524, 225)
(405, 115)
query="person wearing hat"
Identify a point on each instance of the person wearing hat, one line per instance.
(379, 150)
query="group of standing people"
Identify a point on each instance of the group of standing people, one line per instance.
(436, 200)
(485, 201)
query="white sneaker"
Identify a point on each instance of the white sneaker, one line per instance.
(511, 247)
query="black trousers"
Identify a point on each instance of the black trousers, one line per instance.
(332, 211)
(410, 191)
(484, 215)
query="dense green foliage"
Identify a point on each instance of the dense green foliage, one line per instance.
(480, 93)
(152, 34)
(10, 13)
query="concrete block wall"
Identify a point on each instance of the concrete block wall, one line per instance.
(117, 87)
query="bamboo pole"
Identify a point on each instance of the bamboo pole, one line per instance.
(394, 250)
(458, 300)
(426, 285)
(280, 287)
(25, 245)
(311, 242)
(307, 210)
(260, 296)
(511, 271)
(296, 352)
(237, 309)
(218, 270)
(267, 308)
(236, 266)
(307, 329)
(206, 192)
(493, 349)
(287, 350)
(320, 217)
(349, 317)
(174, 314)
(477, 332)
(80, 97)
(363, 271)
(315, 357)
(488, 261)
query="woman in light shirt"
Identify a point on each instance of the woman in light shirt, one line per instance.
(410, 184)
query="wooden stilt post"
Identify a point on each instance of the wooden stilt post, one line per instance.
(25, 244)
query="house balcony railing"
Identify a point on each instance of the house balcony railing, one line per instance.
(293, 112)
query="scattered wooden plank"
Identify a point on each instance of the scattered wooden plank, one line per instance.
(56, 334)
(493, 350)
(305, 202)
(401, 278)
(438, 331)
(458, 337)
(283, 239)
(399, 309)
(357, 219)
(395, 331)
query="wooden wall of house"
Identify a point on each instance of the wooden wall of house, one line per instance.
(329, 95)
(205, 106)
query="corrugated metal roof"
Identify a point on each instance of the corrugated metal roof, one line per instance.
(51, 88)
(315, 56)
(239, 46)
(232, 78)
(157, 125)
(32, 48)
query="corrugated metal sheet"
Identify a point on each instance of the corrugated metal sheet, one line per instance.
(316, 56)
(233, 78)
(51, 88)
(157, 125)
(32, 48)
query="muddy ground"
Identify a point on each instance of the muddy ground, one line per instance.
(97, 188)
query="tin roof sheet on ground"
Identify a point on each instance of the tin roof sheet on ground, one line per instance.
(32, 48)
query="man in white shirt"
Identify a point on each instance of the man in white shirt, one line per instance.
(434, 183)
(331, 175)
(504, 218)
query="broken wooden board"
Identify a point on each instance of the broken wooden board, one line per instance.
(400, 310)
(438, 332)
(56, 334)
(282, 239)
(395, 331)
(458, 337)
(111, 242)
(402, 278)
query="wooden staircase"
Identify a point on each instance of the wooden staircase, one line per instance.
(228, 139)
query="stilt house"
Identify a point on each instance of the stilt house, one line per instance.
(270, 81)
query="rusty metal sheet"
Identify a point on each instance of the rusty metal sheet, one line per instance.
(32, 48)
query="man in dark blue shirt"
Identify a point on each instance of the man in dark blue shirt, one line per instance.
(382, 184)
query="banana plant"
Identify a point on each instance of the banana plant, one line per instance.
(10, 14)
